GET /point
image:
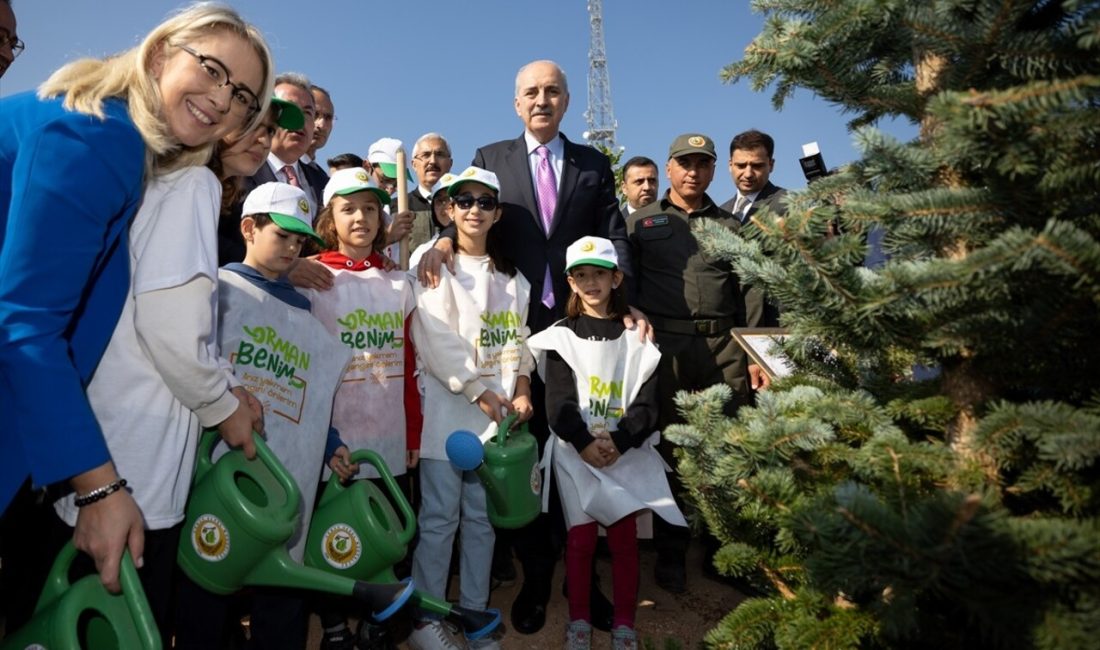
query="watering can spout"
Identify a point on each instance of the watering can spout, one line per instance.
(508, 468)
(474, 624)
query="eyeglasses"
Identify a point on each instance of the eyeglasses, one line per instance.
(467, 201)
(17, 46)
(243, 98)
(425, 156)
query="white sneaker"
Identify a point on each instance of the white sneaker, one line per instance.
(432, 635)
(490, 642)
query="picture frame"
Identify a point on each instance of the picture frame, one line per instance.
(759, 344)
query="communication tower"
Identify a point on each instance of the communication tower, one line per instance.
(599, 116)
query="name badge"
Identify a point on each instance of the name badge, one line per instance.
(651, 222)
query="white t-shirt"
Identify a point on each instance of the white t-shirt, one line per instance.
(150, 433)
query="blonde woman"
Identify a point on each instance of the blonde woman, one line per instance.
(74, 160)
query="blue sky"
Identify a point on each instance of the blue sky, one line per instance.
(400, 69)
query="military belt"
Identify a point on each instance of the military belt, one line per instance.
(701, 327)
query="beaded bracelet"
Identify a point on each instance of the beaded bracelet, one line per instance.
(99, 493)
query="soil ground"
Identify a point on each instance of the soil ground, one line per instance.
(662, 617)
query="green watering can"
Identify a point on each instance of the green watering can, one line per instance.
(84, 615)
(356, 533)
(508, 466)
(239, 517)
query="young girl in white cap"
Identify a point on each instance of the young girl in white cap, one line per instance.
(470, 331)
(377, 406)
(601, 404)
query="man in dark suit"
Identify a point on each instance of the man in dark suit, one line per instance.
(283, 165)
(577, 183)
(585, 204)
(10, 45)
(323, 121)
(751, 164)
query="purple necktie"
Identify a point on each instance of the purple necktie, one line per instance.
(291, 176)
(547, 185)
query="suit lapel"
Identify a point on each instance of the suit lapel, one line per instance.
(569, 173)
(518, 167)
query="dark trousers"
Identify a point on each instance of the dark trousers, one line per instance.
(31, 536)
(691, 363)
(278, 619)
(538, 545)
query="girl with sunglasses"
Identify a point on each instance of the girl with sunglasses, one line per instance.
(76, 161)
(470, 333)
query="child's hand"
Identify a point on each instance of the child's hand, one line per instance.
(428, 269)
(493, 405)
(308, 273)
(412, 458)
(608, 451)
(593, 455)
(254, 405)
(237, 429)
(401, 226)
(341, 464)
(523, 408)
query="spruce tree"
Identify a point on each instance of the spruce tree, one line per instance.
(929, 476)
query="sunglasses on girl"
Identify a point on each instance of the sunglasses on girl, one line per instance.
(484, 202)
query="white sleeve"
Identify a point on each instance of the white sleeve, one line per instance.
(177, 239)
(442, 350)
(174, 327)
(175, 246)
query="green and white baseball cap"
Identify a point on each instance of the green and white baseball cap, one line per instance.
(474, 175)
(383, 153)
(287, 206)
(443, 184)
(287, 114)
(596, 251)
(352, 180)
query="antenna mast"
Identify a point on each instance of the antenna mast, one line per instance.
(599, 116)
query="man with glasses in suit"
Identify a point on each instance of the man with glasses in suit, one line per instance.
(10, 45)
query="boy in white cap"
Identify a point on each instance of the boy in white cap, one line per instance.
(382, 157)
(287, 359)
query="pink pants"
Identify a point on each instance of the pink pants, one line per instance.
(581, 546)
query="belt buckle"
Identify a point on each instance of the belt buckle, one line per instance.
(702, 327)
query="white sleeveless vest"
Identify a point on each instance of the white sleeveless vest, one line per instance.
(366, 311)
(609, 376)
(286, 358)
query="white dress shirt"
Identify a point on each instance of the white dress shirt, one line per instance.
(557, 156)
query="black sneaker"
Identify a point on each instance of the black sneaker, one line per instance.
(374, 637)
(341, 639)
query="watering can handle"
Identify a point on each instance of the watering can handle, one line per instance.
(204, 463)
(136, 602)
(289, 510)
(57, 583)
(407, 514)
(503, 428)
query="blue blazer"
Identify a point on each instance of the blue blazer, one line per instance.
(69, 185)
